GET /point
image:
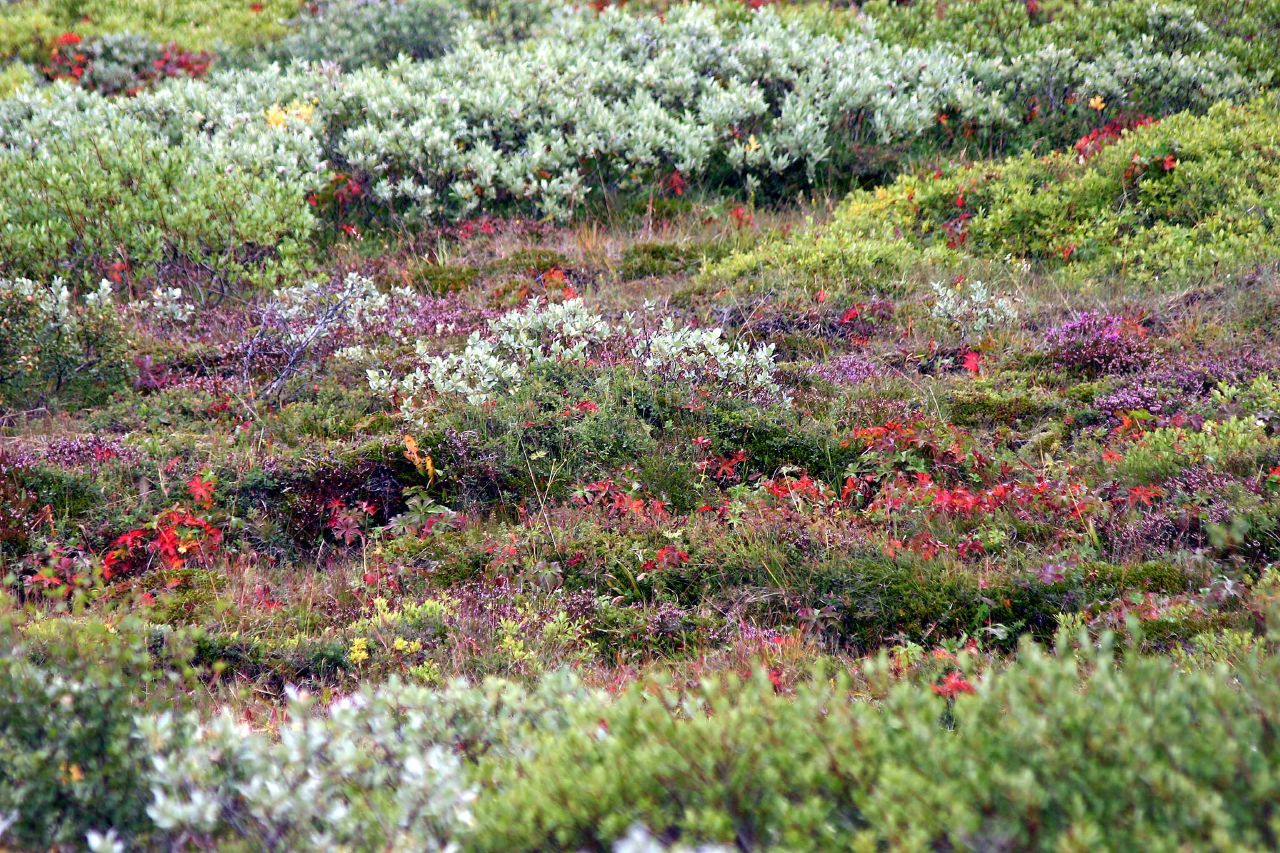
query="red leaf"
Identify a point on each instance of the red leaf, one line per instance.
(201, 490)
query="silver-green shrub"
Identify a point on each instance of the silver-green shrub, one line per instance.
(383, 769)
(56, 347)
(497, 360)
(91, 182)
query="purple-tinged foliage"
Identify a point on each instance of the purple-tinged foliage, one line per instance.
(91, 451)
(850, 369)
(1099, 343)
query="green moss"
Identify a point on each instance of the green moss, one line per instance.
(1149, 576)
(442, 280)
(639, 632)
(290, 661)
(773, 439)
(1160, 634)
(71, 494)
(530, 261)
(989, 406)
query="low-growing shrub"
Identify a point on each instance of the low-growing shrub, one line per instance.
(1180, 199)
(55, 348)
(568, 333)
(71, 760)
(360, 33)
(1236, 444)
(28, 27)
(100, 193)
(13, 77)
(123, 63)
(1054, 750)
(994, 28)
(383, 768)
(1094, 343)
(366, 775)
(1120, 749)
(595, 105)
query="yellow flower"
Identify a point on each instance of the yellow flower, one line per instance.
(752, 144)
(278, 116)
(359, 650)
(406, 647)
(1096, 103)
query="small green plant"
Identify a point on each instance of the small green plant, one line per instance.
(56, 349)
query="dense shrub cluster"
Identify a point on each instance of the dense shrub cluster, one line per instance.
(121, 63)
(995, 29)
(360, 33)
(1056, 749)
(1023, 762)
(172, 182)
(55, 347)
(75, 766)
(29, 27)
(595, 104)
(1184, 197)
(569, 333)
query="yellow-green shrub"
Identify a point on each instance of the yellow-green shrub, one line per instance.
(1185, 197)
(1057, 752)
(90, 187)
(28, 26)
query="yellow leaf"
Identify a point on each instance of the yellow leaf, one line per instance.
(411, 450)
(421, 461)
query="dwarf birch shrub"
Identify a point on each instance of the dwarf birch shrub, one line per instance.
(1055, 750)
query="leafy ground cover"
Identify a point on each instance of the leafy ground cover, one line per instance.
(470, 425)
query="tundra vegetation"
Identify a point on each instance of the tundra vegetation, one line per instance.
(527, 425)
